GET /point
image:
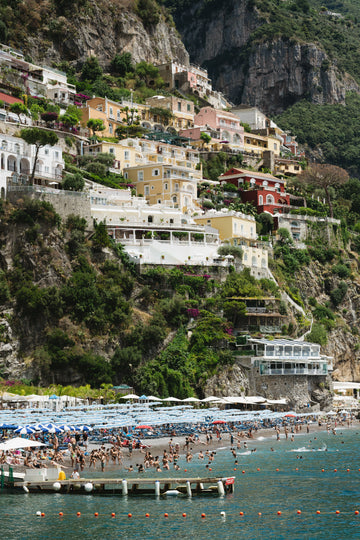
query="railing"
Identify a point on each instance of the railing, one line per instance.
(294, 371)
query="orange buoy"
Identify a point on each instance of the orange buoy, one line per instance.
(61, 514)
(96, 514)
(277, 470)
(112, 514)
(78, 514)
(243, 472)
(318, 511)
(356, 512)
(203, 515)
(259, 513)
(335, 470)
(147, 515)
(42, 514)
(298, 512)
(322, 470)
(234, 468)
(347, 470)
(279, 513)
(210, 469)
(296, 469)
(184, 514)
(337, 512)
(241, 513)
(129, 515)
(166, 515)
(258, 469)
(185, 470)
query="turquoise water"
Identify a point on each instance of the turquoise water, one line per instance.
(267, 491)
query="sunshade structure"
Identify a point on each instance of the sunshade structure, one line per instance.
(18, 442)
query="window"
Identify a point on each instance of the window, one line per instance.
(46, 151)
(174, 199)
(159, 201)
(150, 219)
(261, 200)
(147, 190)
(140, 176)
(275, 146)
(171, 220)
(126, 154)
(179, 106)
(47, 169)
(269, 199)
(110, 128)
(111, 151)
(111, 111)
(155, 172)
(165, 186)
(57, 155)
(118, 116)
(188, 108)
(126, 176)
(176, 187)
(99, 108)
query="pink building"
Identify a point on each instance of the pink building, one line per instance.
(225, 123)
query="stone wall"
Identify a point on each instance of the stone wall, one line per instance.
(64, 202)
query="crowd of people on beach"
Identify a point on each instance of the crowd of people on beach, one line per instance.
(117, 448)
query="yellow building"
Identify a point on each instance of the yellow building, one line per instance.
(160, 183)
(256, 144)
(126, 153)
(287, 167)
(183, 111)
(112, 113)
(239, 230)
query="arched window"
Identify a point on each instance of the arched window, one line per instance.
(269, 199)
(174, 199)
(265, 183)
(253, 261)
(11, 163)
(261, 200)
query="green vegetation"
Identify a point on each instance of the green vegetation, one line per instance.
(333, 129)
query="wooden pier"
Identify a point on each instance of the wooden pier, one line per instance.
(160, 487)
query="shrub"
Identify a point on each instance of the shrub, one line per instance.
(341, 270)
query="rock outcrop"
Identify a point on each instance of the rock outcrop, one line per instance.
(103, 31)
(270, 73)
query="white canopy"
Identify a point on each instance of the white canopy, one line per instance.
(18, 442)
(130, 396)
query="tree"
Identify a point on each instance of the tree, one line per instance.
(235, 251)
(73, 182)
(267, 222)
(325, 176)
(91, 70)
(19, 108)
(95, 124)
(205, 137)
(146, 72)
(68, 119)
(122, 64)
(38, 137)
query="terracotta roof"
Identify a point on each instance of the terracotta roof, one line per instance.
(9, 99)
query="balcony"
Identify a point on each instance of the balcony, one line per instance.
(264, 370)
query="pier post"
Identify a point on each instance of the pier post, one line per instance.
(220, 486)
(188, 489)
(157, 488)
(124, 487)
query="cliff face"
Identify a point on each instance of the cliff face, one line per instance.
(100, 29)
(269, 72)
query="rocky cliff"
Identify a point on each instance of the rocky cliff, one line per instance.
(256, 60)
(96, 28)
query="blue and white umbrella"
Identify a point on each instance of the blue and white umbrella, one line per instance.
(25, 430)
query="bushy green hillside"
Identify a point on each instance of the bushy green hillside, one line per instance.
(333, 131)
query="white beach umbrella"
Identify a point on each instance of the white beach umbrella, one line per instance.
(191, 400)
(171, 399)
(18, 442)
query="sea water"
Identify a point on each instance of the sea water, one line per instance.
(267, 491)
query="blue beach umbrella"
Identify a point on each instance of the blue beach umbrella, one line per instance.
(25, 430)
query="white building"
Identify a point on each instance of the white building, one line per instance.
(154, 234)
(17, 160)
(252, 116)
(288, 357)
(36, 80)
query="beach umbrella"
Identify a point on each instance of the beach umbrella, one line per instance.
(154, 398)
(290, 415)
(18, 442)
(143, 427)
(5, 425)
(26, 430)
(130, 396)
(191, 400)
(171, 399)
(83, 428)
(53, 396)
(219, 422)
(52, 429)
